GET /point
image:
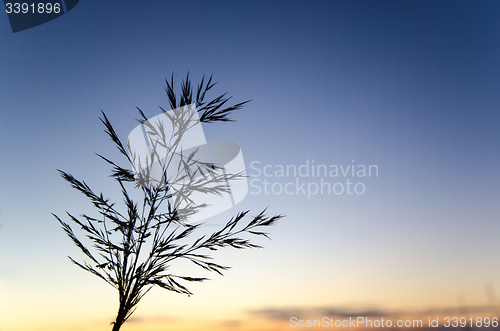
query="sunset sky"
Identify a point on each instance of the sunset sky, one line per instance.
(408, 87)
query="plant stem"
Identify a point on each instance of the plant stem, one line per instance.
(120, 317)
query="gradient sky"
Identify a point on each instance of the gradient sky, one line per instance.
(409, 86)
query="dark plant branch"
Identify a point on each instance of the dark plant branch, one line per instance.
(132, 248)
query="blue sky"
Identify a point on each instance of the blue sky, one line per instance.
(409, 86)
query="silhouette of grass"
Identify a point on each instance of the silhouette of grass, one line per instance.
(133, 250)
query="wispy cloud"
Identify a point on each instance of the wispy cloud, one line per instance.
(284, 313)
(278, 314)
(231, 323)
(154, 319)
